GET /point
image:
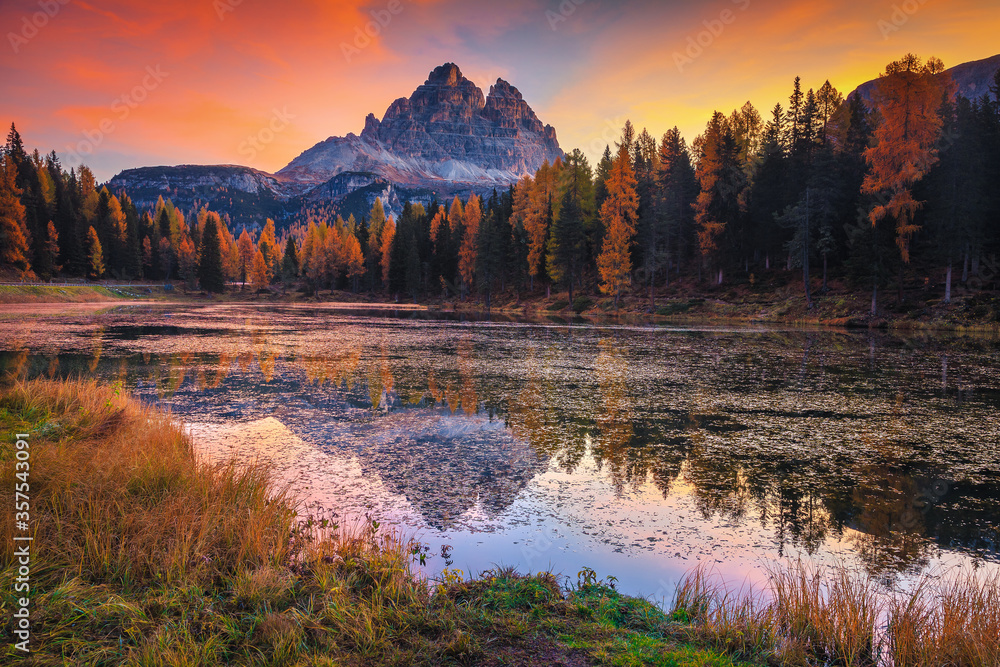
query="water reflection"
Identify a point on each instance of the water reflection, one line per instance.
(882, 444)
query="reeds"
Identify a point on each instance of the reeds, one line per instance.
(118, 495)
(838, 616)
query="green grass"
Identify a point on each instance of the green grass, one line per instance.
(72, 293)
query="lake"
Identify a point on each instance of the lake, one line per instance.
(637, 451)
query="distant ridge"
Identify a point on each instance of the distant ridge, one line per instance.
(972, 79)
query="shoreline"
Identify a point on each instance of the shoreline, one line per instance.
(253, 581)
(682, 312)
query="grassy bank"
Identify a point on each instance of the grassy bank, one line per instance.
(684, 303)
(145, 556)
(74, 293)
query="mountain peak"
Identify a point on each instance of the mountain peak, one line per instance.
(503, 89)
(446, 131)
(446, 75)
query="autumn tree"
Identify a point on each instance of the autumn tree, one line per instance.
(354, 260)
(907, 97)
(618, 217)
(721, 181)
(538, 216)
(268, 246)
(246, 252)
(472, 216)
(49, 253)
(95, 254)
(14, 243)
(388, 236)
(260, 272)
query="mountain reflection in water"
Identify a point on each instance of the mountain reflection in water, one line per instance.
(647, 443)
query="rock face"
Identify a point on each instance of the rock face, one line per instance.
(972, 79)
(446, 132)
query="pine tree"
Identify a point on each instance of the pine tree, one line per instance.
(210, 272)
(677, 189)
(290, 262)
(567, 244)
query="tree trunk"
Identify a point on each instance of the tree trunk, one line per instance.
(965, 266)
(947, 284)
(902, 267)
(824, 273)
(874, 296)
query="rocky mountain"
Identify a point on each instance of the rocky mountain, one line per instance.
(248, 195)
(446, 138)
(972, 80)
(446, 132)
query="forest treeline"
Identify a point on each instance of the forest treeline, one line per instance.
(898, 191)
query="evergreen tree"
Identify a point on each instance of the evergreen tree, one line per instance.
(290, 262)
(210, 273)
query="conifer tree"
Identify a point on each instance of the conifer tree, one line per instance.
(618, 216)
(210, 271)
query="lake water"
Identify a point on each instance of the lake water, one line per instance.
(638, 451)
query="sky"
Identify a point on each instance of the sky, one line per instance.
(116, 84)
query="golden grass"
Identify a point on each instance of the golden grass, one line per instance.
(838, 616)
(118, 495)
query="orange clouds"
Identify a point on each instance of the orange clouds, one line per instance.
(234, 64)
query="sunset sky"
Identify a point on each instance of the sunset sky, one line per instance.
(189, 81)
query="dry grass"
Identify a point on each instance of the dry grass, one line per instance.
(144, 556)
(118, 495)
(842, 617)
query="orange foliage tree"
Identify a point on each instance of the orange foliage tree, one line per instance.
(907, 97)
(619, 215)
(13, 226)
(388, 236)
(470, 240)
(260, 272)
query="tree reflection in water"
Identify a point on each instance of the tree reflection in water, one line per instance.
(817, 437)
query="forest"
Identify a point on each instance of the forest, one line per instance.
(883, 196)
